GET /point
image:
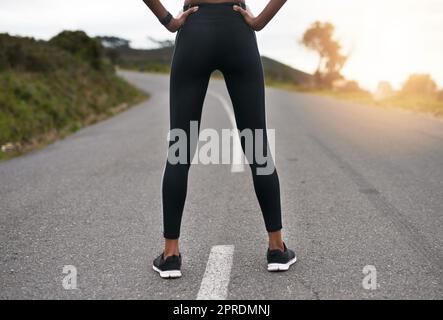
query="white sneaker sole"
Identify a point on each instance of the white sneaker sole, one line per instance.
(168, 274)
(273, 267)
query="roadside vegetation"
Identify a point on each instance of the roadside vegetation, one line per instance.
(417, 102)
(49, 89)
(418, 93)
(158, 60)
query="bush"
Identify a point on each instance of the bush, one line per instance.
(85, 48)
(419, 85)
(27, 54)
(350, 86)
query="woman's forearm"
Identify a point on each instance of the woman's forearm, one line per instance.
(157, 8)
(268, 13)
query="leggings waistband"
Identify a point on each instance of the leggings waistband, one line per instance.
(240, 4)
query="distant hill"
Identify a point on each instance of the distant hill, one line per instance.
(158, 60)
(280, 72)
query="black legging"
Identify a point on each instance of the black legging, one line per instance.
(216, 38)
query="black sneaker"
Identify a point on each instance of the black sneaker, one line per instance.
(280, 260)
(169, 267)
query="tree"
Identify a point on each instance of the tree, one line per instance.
(162, 43)
(319, 37)
(113, 47)
(419, 85)
(112, 42)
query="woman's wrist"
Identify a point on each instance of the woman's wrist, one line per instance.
(166, 19)
(258, 23)
(173, 25)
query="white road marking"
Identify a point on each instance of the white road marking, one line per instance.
(238, 158)
(214, 285)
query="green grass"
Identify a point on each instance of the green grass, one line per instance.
(147, 67)
(46, 93)
(431, 105)
(38, 109)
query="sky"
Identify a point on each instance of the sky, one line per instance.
(387, 40)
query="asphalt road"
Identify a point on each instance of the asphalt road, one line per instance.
(360, 186)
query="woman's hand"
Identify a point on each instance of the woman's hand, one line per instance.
(259, 22)
(177, 23)
(249, 18)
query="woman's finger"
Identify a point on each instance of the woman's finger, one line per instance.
(189, 11)
(243, 12)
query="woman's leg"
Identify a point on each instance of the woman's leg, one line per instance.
(188, 85)
(245, 82)
(187, 95)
